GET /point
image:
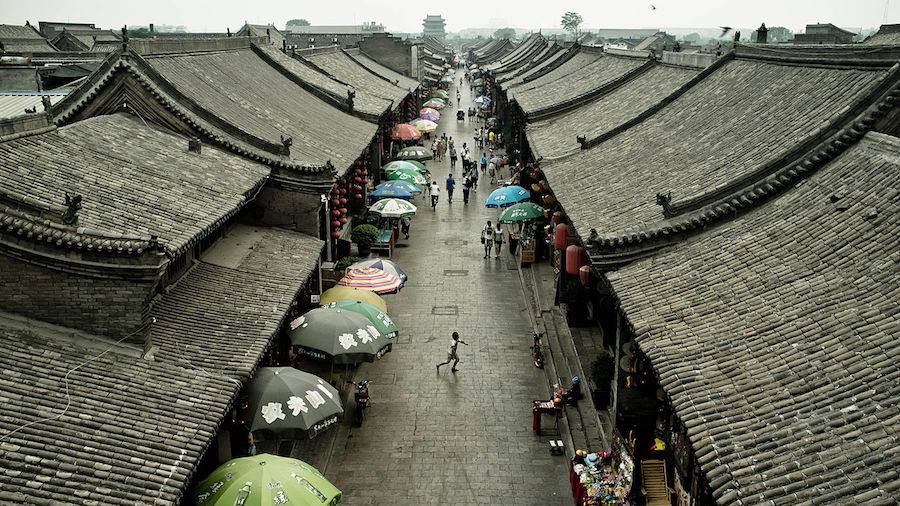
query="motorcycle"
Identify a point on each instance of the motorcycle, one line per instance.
(361, 396)
(537, 347)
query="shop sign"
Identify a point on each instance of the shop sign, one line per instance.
(319, 427)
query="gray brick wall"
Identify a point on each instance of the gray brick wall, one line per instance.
(288, 209)
(388, 51)
(109, 307)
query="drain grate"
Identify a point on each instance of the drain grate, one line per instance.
(456, 272)
(445, 310)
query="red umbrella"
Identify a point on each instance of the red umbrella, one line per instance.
(405, 132)
(368, 278)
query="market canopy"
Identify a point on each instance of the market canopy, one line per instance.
(338, 293)
(344, 337)
(286, 403)
(520, 212)
(507, 196)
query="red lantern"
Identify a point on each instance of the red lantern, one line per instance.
(343, 201)
(358, 196)
(336, 235)
(343, 221)
(335, 224)
(357, 188)
(343, 210)
(587, 275)
(343, 180)
(357, 180)
(335, 202)
(365, 173)
(343, 191)
(558, 217)
(561, 239)
(576, 257)
(335, 213)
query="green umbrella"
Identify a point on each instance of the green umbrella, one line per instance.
(286, 403)
(405, 165)
(523, 211)
(442, 94)
(266, 479)
(378, 317)
(408, 175)
(343, 336)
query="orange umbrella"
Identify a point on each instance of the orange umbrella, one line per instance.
(405, 132)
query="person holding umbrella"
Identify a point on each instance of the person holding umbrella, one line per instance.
(451, 355)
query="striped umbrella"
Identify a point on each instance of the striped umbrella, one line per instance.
(382, 264)
(392, 208)
(368, 278)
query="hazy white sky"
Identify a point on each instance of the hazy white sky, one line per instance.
(406, 15)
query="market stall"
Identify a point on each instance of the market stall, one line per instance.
(603, 478)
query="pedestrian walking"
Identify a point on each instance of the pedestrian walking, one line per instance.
(484, 160)
(440, 151)
(434, 144)
(451, 353)
(458, 96)
(451, 185)
(491, 139)
(487, 238)
(492, 171)
(467, 187)
(435, 193)
(498, 239)
(473, 174)
(452, 158)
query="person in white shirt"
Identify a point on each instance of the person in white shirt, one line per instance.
(487, 238)
(498, 239)
(435, 193)
(451, 353)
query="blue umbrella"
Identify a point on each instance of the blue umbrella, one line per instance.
(482, 100)
(507, 196)
(391, 193)
(404, 185)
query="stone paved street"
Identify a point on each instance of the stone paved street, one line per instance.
(449, 438)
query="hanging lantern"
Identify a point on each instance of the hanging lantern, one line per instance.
(576, 257)
(358, 196)
(343, 191)
(335, 224)
(343, 210)
(365, 181)
(586, 274)
(535, 187)
(357, 179)
(558, 217)
(335, 213)
(343, 201)
(335, 202)
(561, 239)
(548, 199)
(343, 180)
(336, 234)
(343, 221)
(365, 173)
(545, 186)
(537, 174)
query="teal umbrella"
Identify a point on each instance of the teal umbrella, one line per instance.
(520, 212)
(378, 317)
(266, 479)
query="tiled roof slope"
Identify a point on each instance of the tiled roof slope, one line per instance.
(886, 35)
(570, 67)
(518, 56)
(369, 103)
(532, 60)
(133, 433)
(240, 88)
(551, 61)
(23, 38)
(546, 95)
(556, 136)
(223, 318)
(402, 81)
(135, 179)
(775, 338)
(741, 116)
(340, 65)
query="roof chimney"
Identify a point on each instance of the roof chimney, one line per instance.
(762, 34)
(194, 145)
(151, 28)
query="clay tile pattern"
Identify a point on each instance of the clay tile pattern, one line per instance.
(570, 67)
(544, 95)
(743, 115)
(536, 71)
(557, 136)
(407, 83)
(135, 179)
(24, 39)
(133, 433)
(223, 318)
(364, 101)
(339, 64)
(776, 338)
(229, 84)
(530, 61)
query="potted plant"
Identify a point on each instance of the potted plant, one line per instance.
(345, 262)
(364, 236)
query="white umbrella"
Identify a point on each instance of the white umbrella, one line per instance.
(393, 208)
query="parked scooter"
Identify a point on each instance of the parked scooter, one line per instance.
(537, 347)
(362, 400)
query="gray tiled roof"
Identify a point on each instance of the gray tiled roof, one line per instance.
(364, 101)
(404, 82)
(229, 84)
(538, 57)
(572, 66)
(544, 95)
(133, 434)
(556, 136)
(519, 55)
(556, 57)
(135, 179)
(775, 337)
(741, 116)
(339, 64)
(222, 317)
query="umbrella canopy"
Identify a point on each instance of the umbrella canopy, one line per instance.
(507, 196)
(426, 110)
(405, 132)
(337, 293)
(389, 208)
(286, 403)
(431, 116)
(482, 99)
(426, 126)
(497, 161)
(478, 82)
(343, 336)
(520, 212)
(442, 94)
(266, 479)
(376, 316)
(407, 175)
(446, 79)
(403, 185)
(391, 193)
(404, 165)
(473, 66)
(434, 104)
(414, 153)
(383, 264)
(368, 278)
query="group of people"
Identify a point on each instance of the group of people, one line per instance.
(492, 236)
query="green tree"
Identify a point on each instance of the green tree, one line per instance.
(505, 33)
(571, 21)
(297, 22)
(779, 34)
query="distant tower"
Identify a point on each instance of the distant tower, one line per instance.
(434, 26)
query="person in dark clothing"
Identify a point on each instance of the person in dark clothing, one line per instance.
(451, 184)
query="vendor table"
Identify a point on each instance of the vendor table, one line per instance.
(538, 408)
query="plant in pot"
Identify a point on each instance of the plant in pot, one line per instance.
(364, 236)
(602, 372)
(345, 262)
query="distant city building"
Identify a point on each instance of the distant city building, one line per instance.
(825, 33)
(434, 26)
(301, 37)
